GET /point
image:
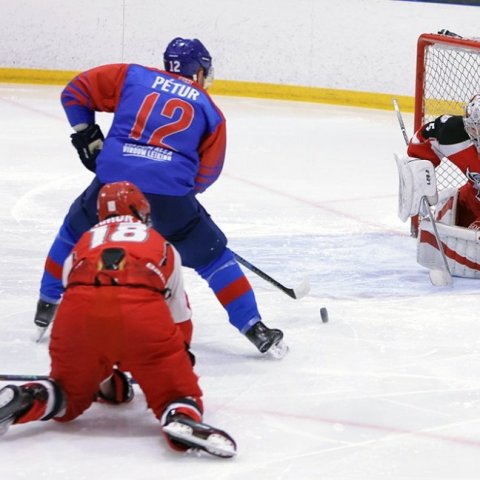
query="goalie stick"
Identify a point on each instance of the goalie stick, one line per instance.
(400, 120)
(439, 278)
(298, 292)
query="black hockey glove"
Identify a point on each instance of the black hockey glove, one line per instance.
(88, 143)
(117, 388)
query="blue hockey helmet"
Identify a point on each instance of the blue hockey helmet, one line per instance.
(185, 56)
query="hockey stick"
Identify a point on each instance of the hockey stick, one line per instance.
(414, 224)
(439, 278)
(400, 120)
(12, 377)
(5, 377)
(296, 293)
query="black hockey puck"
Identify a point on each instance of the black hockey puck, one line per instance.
(324, 314)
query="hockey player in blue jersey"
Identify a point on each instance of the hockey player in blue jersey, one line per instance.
(169, 138)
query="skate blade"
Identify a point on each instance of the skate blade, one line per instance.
(278, 351)
(6, 398)
(41, 331)
(4, 426)
(215, 444)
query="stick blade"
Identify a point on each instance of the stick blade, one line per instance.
(302, 289)
(440, 278)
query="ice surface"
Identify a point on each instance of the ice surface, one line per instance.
(389, 388)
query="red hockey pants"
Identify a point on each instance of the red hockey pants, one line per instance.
(98, 327)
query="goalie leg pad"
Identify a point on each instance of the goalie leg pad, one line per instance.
(462, 246)
(446, 208)
(416, 180)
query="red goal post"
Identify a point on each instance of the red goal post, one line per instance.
(447, 76)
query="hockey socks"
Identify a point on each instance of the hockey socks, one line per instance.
(51, 288)
(233, 290)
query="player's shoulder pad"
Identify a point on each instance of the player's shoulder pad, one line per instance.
(450, 130)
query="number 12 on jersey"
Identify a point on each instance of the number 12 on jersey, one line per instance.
(168, 110)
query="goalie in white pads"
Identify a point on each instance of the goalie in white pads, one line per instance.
(457, 213)
(456, 138)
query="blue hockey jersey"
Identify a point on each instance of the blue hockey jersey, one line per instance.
(167, 135)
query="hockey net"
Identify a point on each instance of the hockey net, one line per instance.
(448, 75)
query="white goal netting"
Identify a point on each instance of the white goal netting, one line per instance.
(448, 75)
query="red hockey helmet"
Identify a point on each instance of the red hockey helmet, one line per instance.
(122, 198)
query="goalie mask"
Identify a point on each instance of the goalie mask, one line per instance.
(185, 57)
(122, 198)
(471, 120)
(474, 178)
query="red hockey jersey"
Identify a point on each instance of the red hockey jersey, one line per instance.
(445, 137)
(122, 251)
